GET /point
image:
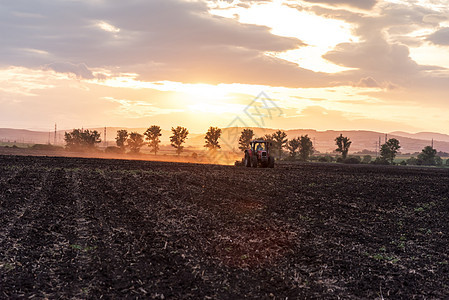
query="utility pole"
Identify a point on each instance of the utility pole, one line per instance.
(432, 143)
(55, 134)
(105, 141)
(375, 149)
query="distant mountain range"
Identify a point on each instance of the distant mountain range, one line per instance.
(323, 140)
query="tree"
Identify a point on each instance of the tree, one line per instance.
(305, 147)
(279, 141)
(268, 138)
(152, 135)
(79, 139)
(293, 145)
(388, 150)
(245, 137)
(120, 140)
(343, 143)
(429, 157)
(135, 142)
(178, 138)
(212, 137)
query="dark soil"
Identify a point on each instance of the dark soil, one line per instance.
(92, 228)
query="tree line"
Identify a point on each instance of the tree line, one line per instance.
(388, 152)
(301, 146)
(298, 148)
(82, 140)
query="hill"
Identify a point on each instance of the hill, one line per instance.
(323, 140)
(361, 140)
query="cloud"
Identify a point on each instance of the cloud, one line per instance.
(138, 108)
(21, 81)
(440, 37)
(181, 41)
(374, 56)
(395, 21)
(230, 65)
(363, 4)
(368, 82)
(160, 38)
(248, 3)
(79, 70)
(434, 19)
(382, 49)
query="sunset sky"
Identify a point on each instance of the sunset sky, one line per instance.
(325, 64)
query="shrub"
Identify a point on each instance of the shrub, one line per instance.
(289, 158)
(352, 160)
(326, 158)
(45, 147)
(413, 161)
(380, 161)
(366, 159)
(114, 150)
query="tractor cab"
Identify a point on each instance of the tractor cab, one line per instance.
(259, 146)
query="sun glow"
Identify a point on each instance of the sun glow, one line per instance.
(233, 98)
(199, 91)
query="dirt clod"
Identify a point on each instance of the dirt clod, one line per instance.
(93, 228)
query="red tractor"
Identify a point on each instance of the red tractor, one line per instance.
(258, 154)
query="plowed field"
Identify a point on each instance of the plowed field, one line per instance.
(91, 228)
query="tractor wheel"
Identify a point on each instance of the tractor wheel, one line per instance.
(247, 161)
(254, 162)
(271, 162)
